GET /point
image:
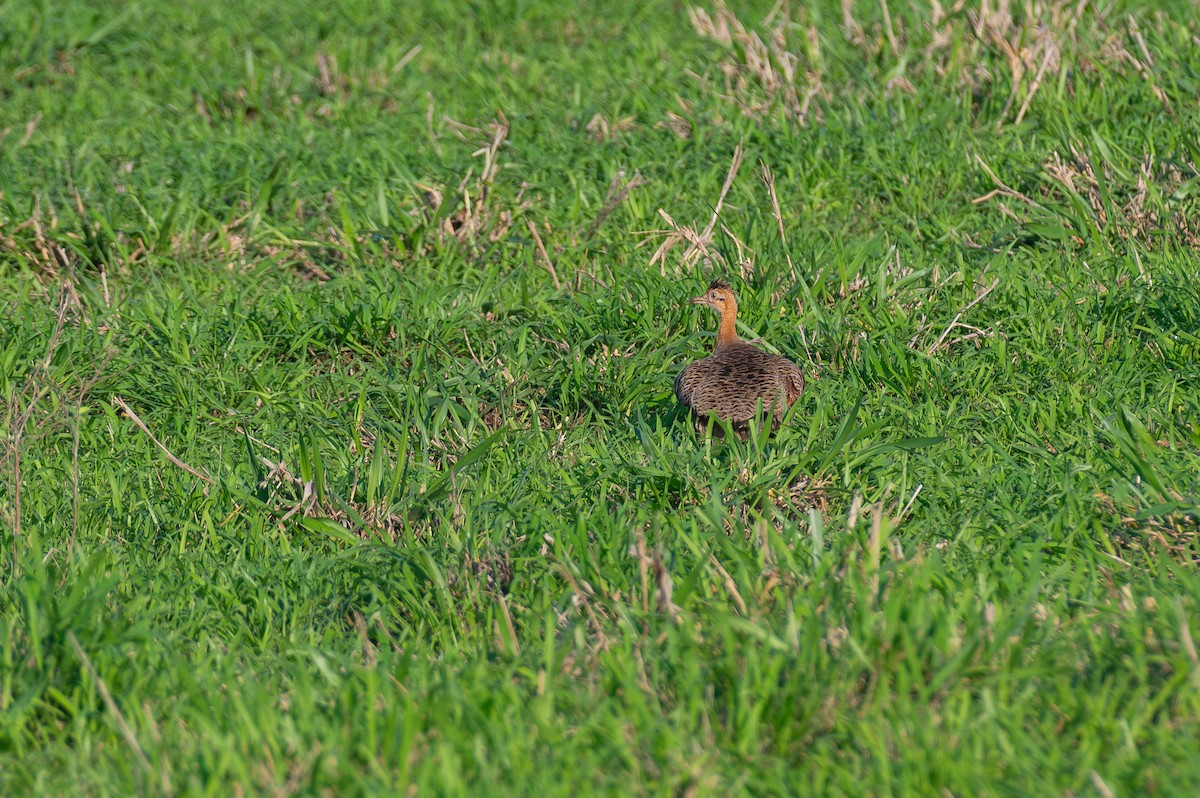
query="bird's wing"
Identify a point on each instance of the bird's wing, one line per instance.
(682, 390)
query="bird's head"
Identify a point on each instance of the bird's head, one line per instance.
(719, 297)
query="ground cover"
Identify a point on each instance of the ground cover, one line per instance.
(339, 454)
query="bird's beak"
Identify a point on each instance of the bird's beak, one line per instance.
(697, 300)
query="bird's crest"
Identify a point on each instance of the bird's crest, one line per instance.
(720, 282)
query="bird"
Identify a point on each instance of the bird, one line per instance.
(738, 378)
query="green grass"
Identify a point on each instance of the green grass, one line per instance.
(442, 529)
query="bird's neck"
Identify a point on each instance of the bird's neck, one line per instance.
(727, 332)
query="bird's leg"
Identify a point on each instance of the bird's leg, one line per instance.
(701, 422)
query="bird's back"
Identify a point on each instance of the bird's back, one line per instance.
(732, 381)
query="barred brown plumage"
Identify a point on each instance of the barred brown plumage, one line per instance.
(738, 380)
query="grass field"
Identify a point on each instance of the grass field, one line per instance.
(339, 454)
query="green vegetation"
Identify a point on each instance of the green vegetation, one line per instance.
(338, 450)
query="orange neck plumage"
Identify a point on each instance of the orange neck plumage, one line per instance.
(727, 332)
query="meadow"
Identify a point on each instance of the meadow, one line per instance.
(338, 450)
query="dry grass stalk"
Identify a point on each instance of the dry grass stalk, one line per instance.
(1031, 40)
(1177, 532)
(278, 473)
(853, 31)
(17, 416)
(105, 695)
(1131, 211)
(803, 494)
(356, 516)
(541, 250)
(941, 341)
(604, 129)
(119, 402)
(888, 28)
(1001, 189)
(26, 408)
(760, 74)
(581, 596)
(662, 581)
(698, 242)
(638, 550)
(476, 216)
(730, 585)
(769, 181)
(618, 190)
